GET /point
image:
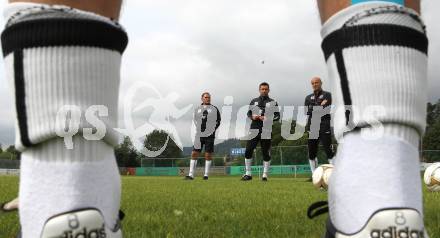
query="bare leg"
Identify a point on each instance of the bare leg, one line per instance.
(208, 156)
(195, 155)
(107, 8)
(328, 8)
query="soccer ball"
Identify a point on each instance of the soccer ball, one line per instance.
(432, 177)
(321, 176)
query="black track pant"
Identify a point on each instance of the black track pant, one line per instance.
(265, 147)
(326, 141)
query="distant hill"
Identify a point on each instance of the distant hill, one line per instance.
(220, 149)
(224, 148)
(187, 151)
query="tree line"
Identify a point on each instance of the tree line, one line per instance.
(127, 156)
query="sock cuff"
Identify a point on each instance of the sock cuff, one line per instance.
(39, 25)
(21, 11)
(63, 32)
(374, 35)
(372, 12)
(374, 24)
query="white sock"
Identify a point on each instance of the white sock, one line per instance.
(207, 167)
(50, 186)
(313, 164)
(266, 167)
(399, 82)
(248, 163)
(383, 70)
(377, 174)
(77, 64)
(84, 71)
(192, 167)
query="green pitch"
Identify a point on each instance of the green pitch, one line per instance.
(220, 207)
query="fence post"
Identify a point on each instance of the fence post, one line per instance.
(281, 157)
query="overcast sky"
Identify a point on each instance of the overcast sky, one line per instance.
(187, 47)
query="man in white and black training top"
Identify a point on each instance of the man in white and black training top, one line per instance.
(207, 119)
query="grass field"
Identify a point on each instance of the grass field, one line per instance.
(220, 207)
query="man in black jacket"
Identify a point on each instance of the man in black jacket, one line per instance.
(207, 119)
(263, 111)
(317, 105)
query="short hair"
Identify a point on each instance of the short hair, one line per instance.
(264, 84)
(316, 77)
(203, 94)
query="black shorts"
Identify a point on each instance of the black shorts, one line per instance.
(207, 142)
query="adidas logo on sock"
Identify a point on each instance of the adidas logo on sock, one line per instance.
(84, 233)
(394, 232)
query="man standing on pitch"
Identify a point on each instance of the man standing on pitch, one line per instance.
(263, 111)
(207, 120)
(317, 105)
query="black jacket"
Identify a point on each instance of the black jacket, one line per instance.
(259, 106)
(313, 100)
(204, 116)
